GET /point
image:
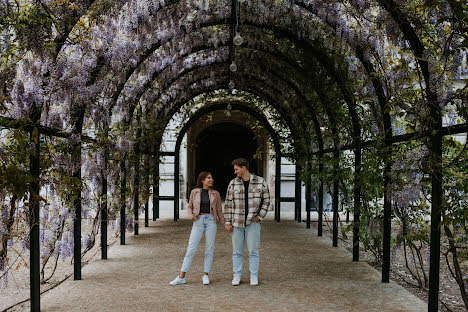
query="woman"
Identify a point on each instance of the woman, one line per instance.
(204, 208)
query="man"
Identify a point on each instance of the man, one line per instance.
(247, 202)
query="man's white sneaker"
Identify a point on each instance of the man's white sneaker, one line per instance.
(236, 280)
(206, 280)
(254, 280)
(177, 281)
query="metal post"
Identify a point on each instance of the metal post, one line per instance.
(136, 201)
(436, 209)
(104, 207)
(357, 202)
(146, 192)
(123, 204)
(136, 183)
(146, 214)
(176, 184)
(278, 184)
(77, 220)
(308, 193)
(387, 224)
(299, 211)
(336, 156)
(34, 255)
(320, 194)
(156, 188)
(297, 193)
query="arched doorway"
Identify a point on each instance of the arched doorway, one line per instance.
(218, 145)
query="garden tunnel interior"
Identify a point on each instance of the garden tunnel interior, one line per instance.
(306, 75)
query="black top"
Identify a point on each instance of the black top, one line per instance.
(246, 196)
(205, 202)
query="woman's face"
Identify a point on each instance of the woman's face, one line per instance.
(208, 182)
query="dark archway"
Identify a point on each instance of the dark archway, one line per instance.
(218, 145)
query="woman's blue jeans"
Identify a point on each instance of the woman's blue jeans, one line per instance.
(205, 224)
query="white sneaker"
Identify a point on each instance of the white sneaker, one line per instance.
(206, 280)
(177, 281)
(253, 280)
(236, 280)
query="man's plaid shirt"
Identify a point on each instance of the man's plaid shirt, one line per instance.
(259, 201)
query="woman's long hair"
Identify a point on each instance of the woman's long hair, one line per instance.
(202, 176)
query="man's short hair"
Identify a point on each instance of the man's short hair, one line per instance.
(241, 162)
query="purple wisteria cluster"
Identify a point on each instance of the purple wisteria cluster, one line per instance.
(408, 172)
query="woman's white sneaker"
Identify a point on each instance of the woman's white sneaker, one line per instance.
(206, 280)
(177, 281)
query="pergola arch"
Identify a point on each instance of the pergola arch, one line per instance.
(159, 11)
(257, 94)
(170, 6)
(171, 21)
(316, 128)
(295, 127)
(280, 78)
(355, 122)
(295, 123)
(190, 70)
(343, 88)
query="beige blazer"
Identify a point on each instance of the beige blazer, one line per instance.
(193, 208)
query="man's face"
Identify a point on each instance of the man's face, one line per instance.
(239, 171)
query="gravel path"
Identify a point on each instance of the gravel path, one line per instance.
(298, 272)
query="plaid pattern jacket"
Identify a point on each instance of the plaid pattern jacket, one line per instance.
(259, 201)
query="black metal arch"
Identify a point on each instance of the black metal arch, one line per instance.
(276, 30)
(290, 86)
(321, 57)
(223, 21)
(222, 106)
(223, 84)
(287, 83)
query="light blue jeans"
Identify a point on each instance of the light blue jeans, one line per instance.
(205, 224)
(251, 234)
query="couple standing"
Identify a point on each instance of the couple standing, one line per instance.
(246, 204)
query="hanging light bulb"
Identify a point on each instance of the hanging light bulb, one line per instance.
(231, 84)
(233, 66)
(229, 106)
(228, 113)
(238, 40)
